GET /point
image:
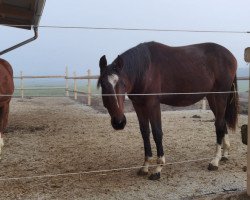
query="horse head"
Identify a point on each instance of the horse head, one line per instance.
(113, 90)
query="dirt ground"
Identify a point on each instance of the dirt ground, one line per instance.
(51, 142)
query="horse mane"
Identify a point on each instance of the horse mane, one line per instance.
(136, 62)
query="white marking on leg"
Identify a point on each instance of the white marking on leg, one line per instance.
(147, 162)
(160, 161)
(1, 144)
(215, 161)
(226, 146)
(113, 79)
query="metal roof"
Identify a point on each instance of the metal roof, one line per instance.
(21, 13)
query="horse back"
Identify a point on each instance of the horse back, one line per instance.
(194, 62)
(205, 67)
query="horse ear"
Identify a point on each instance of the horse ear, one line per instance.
(103, 62)
(119, 63)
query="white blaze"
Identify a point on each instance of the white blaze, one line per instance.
(113, 79)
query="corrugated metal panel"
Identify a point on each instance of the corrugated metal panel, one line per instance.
(21, 12)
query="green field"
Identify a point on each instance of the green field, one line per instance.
(40, 87)
(52, 88)
(243, 86)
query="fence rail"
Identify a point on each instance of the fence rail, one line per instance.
(243, 78)
(25, 77)
(40, 88)
(75, 90)
(66, 77)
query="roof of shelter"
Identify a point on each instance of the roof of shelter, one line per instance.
(21, 13)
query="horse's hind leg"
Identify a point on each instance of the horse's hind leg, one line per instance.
(220, 126)
(226, 146)
(218, 106)
(145, 132)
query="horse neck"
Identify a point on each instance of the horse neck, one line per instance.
(129, 84)
(136, 64)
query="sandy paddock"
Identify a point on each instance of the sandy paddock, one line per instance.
(50, 136)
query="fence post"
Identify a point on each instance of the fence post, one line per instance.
(66, 81)
(75, 87)
(248, 138)
(89, 88)
(247, 59)
(21, 84)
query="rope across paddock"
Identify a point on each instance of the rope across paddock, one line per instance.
(134, 94)
(101, 171)
(133, 29)
(98, 173)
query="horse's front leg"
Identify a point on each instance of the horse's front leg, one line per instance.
(145, 132)
(1, 128)
(4, 113)
(155, 120)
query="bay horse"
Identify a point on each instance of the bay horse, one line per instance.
(154, 68)
(6, 90)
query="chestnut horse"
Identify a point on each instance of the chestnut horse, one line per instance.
(153, 68)
(6, 90)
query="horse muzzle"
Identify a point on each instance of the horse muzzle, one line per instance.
(118, 124)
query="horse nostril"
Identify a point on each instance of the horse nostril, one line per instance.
(118, 124)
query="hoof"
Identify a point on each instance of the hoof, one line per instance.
(224, 159)
(212, 167)
(142, 173)
(155, 176)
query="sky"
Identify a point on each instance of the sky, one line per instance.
(81, 50)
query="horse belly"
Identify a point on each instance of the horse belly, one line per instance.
(180, 100)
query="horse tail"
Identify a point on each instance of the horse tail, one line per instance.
(231, 114)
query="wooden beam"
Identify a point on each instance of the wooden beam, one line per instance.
(6, 20)
(16, 22)
(14, 11)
